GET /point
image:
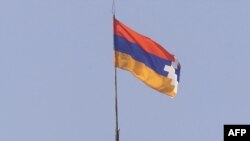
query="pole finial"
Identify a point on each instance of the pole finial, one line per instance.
(113, 7)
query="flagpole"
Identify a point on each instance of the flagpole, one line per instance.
(116, 95)
(116, 100)
(117, 130)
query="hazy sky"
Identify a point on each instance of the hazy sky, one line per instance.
(56, 70)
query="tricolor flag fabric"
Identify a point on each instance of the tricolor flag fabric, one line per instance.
(146, 59)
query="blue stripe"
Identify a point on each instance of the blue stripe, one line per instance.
(178, 73)
(135, 51)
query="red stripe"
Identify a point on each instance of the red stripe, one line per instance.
(144, 42)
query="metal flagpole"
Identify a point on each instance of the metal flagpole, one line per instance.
(116, 97)
(117, 130)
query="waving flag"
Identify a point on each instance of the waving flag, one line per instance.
(146, 60)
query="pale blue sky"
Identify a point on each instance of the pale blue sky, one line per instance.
(56, 70)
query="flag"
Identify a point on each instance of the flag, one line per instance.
(145, 59)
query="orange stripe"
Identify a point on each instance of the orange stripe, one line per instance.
(144, 73)
(144, 42)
